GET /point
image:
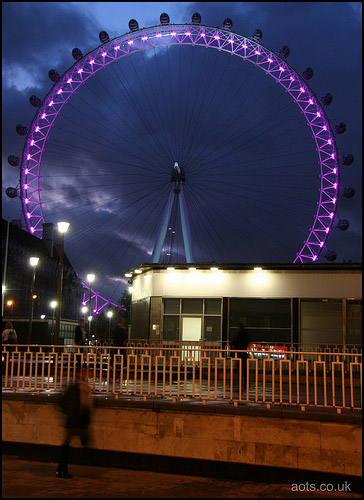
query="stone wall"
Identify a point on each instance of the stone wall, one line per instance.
(176, 431)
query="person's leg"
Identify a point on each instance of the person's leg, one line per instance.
(62, 469)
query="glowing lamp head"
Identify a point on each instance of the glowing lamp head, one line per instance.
(33, 261)
(90, 278)
(53, 304)
(84, 309)
(109, 314)
(63, 226)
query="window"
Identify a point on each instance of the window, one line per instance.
(171, 328)
(171, 306)
(212, 306)
(175, 310)
(265, 320)
(353, 321)
(192, 306)
(212, 328)
(321, 321)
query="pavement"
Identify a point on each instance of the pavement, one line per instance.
(34, 479)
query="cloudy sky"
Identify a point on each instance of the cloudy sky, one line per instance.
(251, 169)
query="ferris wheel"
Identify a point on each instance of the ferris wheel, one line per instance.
(162, 151)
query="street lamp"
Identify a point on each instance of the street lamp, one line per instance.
(53, 305)
(62, 228)
(84, 311)
(33, 262)
(109, 315)
(90, 280)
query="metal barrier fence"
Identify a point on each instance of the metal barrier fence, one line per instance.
(286, 378)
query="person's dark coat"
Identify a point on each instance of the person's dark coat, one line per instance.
(77, 405)
(120, 337)
(241, 341)
(78, 336)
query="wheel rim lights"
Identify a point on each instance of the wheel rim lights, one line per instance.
(231, 43)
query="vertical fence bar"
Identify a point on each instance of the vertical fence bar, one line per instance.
(305, 363)
(323, 363)
(352, 401)
(341, 364)
(268, 360)
(281, 361)
(143, 357)
(224, 376)
(202, 359)
(178, 359)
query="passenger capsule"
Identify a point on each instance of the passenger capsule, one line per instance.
(77, 54)
(348, 192)
(196, 18)
(348, 159)
(53, 75)
(164, 19)
(284, 52)
(133, 25)
(340, 129)
(14, 160)
(11, 192)
(330, 255)
(35, 101)
(257, 35)
(21, 130)
(326, 99)
(227, 24)
(308, 73)
(343, 224)
(104, 37)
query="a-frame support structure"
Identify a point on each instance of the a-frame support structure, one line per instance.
(175, 195)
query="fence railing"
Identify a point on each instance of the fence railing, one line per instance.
(286, 378)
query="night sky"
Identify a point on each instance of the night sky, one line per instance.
(251, 169)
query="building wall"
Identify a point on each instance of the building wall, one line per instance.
(23, 245)
(276, 305)
(265, 284)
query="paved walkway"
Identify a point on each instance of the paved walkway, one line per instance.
(30, 479)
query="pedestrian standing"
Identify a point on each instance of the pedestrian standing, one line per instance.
(9, 334)
(120, 337)
(80, 333)
(80, 340)
(241, 343)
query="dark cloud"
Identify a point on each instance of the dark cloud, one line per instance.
(111, 151)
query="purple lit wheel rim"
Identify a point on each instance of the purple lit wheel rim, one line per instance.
(208, 37)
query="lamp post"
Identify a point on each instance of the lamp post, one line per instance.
(62, 228)
(53, 305)
(109, 315)
(90, 280)
(33, 262)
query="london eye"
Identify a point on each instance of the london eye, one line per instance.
(183, 143)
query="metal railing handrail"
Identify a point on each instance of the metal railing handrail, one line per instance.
(320, 379)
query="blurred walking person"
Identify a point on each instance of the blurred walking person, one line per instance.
(77, 405)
